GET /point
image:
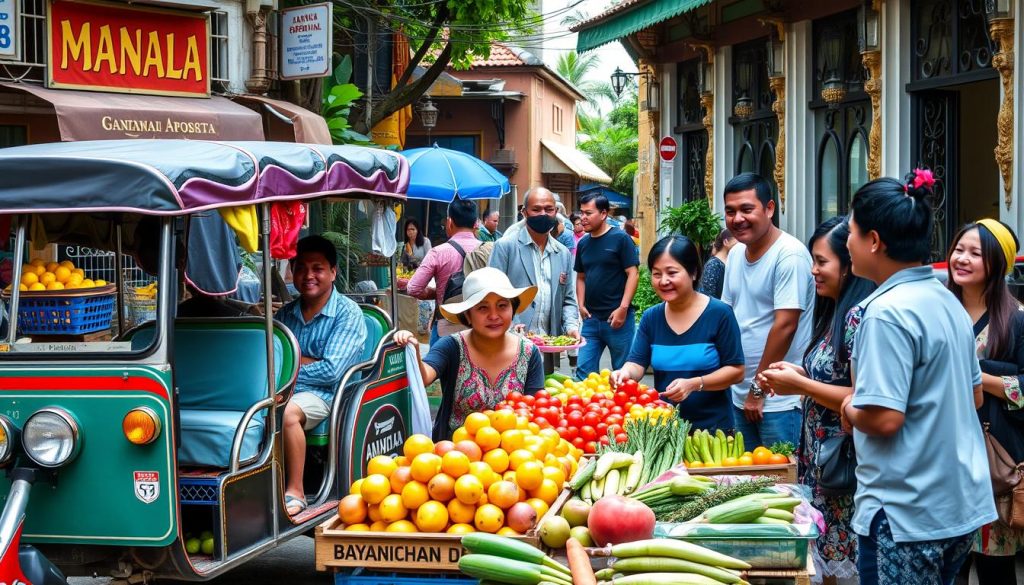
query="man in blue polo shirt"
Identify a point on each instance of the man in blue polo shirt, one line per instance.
(923, 484)
(331, 332)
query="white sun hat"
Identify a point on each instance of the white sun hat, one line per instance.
(482, 282)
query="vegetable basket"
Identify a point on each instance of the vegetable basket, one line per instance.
(764, 546)
(66, 312)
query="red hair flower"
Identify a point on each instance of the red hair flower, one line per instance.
(923, 178)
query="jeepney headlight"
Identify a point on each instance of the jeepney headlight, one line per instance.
(141, 426)
(8, 436)
(51, 437)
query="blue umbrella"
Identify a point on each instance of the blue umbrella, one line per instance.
(439, 174)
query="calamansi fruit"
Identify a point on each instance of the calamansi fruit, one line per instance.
(414, 494)
(425, 466)
(461, 513)
(375, 488)
(392, 509)
(432, 517)
(455, 463)
(417, 444)
(62, 274)
(476, 421)
(489, 518)
(529, 475)
(47, 278)
(381, 464)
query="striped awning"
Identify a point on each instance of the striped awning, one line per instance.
(617, 23)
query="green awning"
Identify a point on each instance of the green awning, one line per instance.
(631, 20)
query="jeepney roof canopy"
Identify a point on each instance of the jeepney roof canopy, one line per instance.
(179, 177)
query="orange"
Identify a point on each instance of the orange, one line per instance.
(392, 509)
(414, 494)
(55, 286)
(468, 489)
(743, 460)
(375, 488)
(539, 505)
(506, 531)
(482, 471)
(523, 423)
(762, 457)
(455, 463)
(503, 420)
(352, 509)
(441, 487)
(417, 444)
(511, 440)
(533, 427)
(476, 421)
(425, 466)
(489, 518)
(67, 264)
(555, 473)
(29, 278)
(547, 492)
(519, 456)
(47, 278)
(503, 494)
(381, 464)
(509, 476)
(379, 526)
(51, 266)
(401, 526)
(729, 461)
(460, 529)
(529, 475)
(355, 487)
(358, 528)
(40, 269)
(488, 438)
(551, 437)
(62, 274)
(373, 513)
(461, 434)
(497, 460)
(402, 461)
(400, 477)
(461, 513)
(471, 449)
(442, 447)
(432, 517)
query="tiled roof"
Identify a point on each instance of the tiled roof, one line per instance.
(505, 56)
(612, 10)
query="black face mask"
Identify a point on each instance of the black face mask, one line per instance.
(541, 223)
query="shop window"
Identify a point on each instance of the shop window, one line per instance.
(690, 126)
(755, 125)
(219, 47)
(556, 118)
(32, 65)
(11, 135)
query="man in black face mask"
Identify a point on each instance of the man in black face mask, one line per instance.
(533, 257)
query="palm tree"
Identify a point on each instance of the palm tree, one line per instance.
(575, 67)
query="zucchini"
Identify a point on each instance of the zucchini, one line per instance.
(583, 475)
(677, 549)
(740, 512)
(787, 504)
(670, 565)
(779, 514)
(499, 546)
(666, 579)
(492, 568)
(585, 491)
(767, 520)
(634, 472)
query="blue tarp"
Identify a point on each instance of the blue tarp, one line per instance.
(615, 198)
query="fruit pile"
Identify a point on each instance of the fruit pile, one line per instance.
(147, 292)
(498, 474)
(704, 449)
(587, 413)
(204, 543)
(40, 275)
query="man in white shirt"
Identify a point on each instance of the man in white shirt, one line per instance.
(769, 285)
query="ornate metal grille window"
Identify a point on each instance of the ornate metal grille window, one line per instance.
(950, 39)
(32, 66)
(690, 125)
(757, 133)
(841, 127)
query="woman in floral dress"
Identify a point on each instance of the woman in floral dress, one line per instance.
(824, 380)
(982, 255)
(479, 367)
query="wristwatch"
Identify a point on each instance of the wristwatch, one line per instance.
(756, 391)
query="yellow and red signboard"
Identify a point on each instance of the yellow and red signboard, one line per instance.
(126, 49)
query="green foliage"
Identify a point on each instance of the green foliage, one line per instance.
(338, 97)
(612, 148)
(645, 297)
(625, 114)
(623, 181)
(695, 220)
(347, 232)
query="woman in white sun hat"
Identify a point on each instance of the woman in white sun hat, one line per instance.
(482, 365)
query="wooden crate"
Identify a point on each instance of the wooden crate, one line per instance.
(787, 472)
(400, 552)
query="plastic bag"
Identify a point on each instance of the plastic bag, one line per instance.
(384, 225)
(420, 405)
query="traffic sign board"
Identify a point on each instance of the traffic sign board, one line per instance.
(667, 148)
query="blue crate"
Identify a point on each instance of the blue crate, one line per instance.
(200, 491)
(362, 577)
(65, 315)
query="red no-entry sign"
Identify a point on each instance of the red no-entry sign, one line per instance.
(667, 148)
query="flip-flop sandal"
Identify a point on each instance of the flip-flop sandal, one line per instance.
(292, 502)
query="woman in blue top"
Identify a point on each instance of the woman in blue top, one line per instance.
(691, 340)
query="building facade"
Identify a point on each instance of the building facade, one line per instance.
(820, 97)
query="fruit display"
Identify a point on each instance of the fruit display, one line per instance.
(704, 449)
(147, 292)
(587, 413)
(40, 275)
(552, 340)
(499, 474)
(204, 543)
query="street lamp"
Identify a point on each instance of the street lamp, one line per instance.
(998, 9)
(619, 80)
(705, 75)
(744, 106)
(428, 116)
(653, 94)
(833, 90)
(776, 55)
(653, 98)
(870, 27)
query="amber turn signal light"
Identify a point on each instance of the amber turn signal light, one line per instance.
(141, 426)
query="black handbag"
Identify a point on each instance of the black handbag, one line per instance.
(836, 463)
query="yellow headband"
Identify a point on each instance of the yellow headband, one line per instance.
(1005, 239)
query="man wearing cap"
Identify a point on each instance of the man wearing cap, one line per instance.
(478, 368)
(535, 258)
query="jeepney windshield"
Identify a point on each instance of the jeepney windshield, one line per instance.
(93, 287)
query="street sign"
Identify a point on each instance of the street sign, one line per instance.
(667, 148)
(306, 41)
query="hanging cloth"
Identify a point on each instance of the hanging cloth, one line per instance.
(246, 225)
(286, 221)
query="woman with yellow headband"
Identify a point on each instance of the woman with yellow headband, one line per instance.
(982, 256)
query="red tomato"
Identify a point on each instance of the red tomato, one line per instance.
(542, 394)
(575, 418)
(588, 433)
(541, 422)
(540, 402)
(604, 413)
(562, 422)
(562, 432)
(602, 429)
(621, 438)
(643, 399)
(652, 394)
(528, 399)
(594, 406)
(617, 410)
(575, 399)
(571, 434)
(590, 447)
(629, 387)
(621, 398)
(615, 429)
(604, 440)
(578, 442)
(523, 412)
(514, 396)
(592, 418)
(614, 419)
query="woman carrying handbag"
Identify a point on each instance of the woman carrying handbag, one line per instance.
(825, 455)
(981, 257)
